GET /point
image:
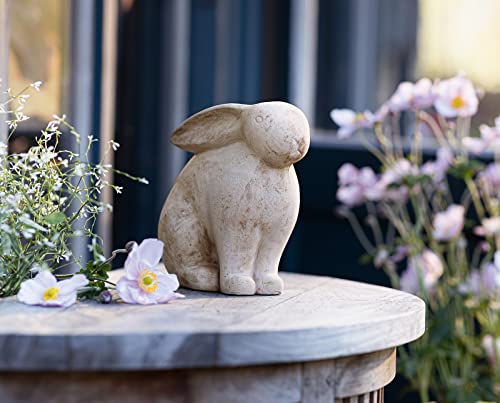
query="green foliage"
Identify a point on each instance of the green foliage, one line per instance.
(466, 169)
(48, 198)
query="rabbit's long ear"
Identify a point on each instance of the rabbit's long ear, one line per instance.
(209, 129)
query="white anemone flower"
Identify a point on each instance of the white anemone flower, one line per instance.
(412, 96)
(456, 97)
(489, 140)
(144, 282)
(45, 290)
(424, 270)
(349, 121)
(489, 227)
(448, 224)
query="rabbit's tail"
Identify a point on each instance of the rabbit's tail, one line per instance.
(203, 278)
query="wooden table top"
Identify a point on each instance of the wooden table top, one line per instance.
(315, 318)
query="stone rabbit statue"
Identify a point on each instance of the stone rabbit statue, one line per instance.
(233, 207)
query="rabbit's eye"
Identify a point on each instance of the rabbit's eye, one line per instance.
(265, 121)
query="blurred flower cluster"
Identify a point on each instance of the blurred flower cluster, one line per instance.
(434, 227)
(49, 197)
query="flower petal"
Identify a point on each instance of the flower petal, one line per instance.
(345, 132)
(31, 292)
(171, 296)
(132, 265)
(46, 279)
(143, 298)
(167, 282)
(150, 250)
(123, 286)
(71, 285)
(64, 300)
(343, 117)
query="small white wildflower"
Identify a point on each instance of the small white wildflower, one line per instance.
(13, 200)
(57, 187)
(79, 169)
(28, 233)
(52, 126)
(63, 162)
(114, 145)
(20, 116)
(59, 118)
(36, 85)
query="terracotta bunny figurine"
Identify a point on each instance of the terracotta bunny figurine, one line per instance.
(232, 209)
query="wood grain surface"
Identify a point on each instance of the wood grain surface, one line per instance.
(325, 381)
(316, 318)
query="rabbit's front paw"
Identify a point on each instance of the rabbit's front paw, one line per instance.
(269, 284)
(237, 284)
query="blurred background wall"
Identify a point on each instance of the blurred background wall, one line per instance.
(132, 70)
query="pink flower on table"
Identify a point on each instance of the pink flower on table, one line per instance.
(354, 183)
(489, 140)
(144, 282)
(350, 121)
(489, 227)
(438, 169)
(491, 347)
(448, 224)
(423, 270)
(456, 97)
(45, 290)
(412, 96)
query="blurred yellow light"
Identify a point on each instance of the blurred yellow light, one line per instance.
(460, 35)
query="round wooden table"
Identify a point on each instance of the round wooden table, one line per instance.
(322, 340)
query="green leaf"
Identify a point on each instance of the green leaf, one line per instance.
(466, 169)
(6, 245)
(30, 223)
(55, 218)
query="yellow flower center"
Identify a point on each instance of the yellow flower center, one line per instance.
(148, 281)
(359, 117)
(457, 102)
(51, 293)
